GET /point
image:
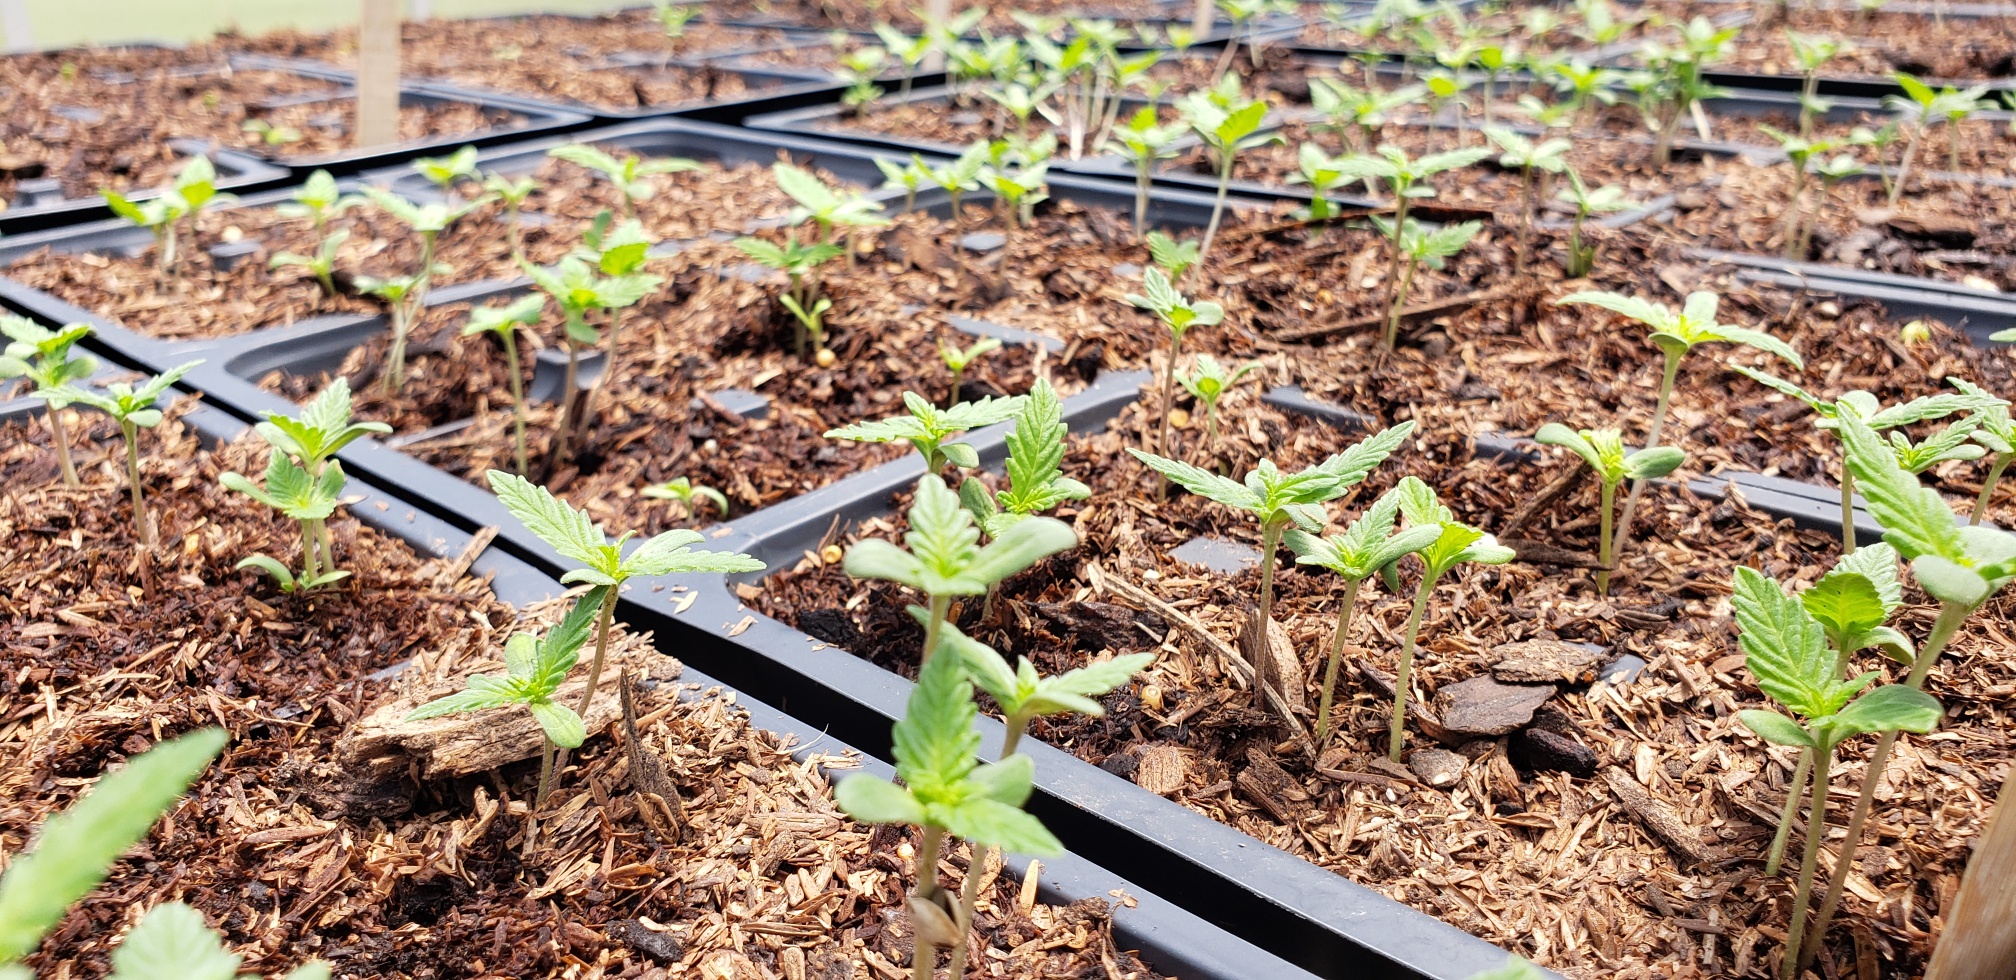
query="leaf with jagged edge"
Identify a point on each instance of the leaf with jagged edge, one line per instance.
(1036, 455)
(671, 553)
(1201, 482)
(1915, 519)
(570, 532)
(172, 942)
(1785, 648)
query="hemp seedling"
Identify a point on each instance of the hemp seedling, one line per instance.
(1995, 432)
(300, 497)
(319, 200)
(627, 175)
(534, 669)
(859, 69)
(1368, 547)
(672, 21)
(133, 408)
(1675, 334)
(1207, 382)
(321, 432)
(576, 537)
(1323, 173)
(1174, 258)
(946, 790)
(1228, 123)
(824, 206)
(1421, 246)
(909, 176)
(911, 51)
(1785, 647)
(1960, 566)
(446, 172)
(76, 848)
(958, 359)
(798, 261)
(1179, 315)
(1921, 106)
(1603, 450)
(1673, 83)
(688, 495)
(1365, 110)
(945, 557)
(1019, 191)
(579, 289)
(512, 194)
(408, 294)
(927, 428)
(1880, 140)
(1408, 179)
(619, 253)
(1144, 142)
(504, 322)
(321, 265)
(1549, 156)
(959, 177)
(1605, 199)
(1280, 501)
(194, 190)
(43, 357)
(1812, 52)
(1036, 481)
(1455, 544)
(1800, 152)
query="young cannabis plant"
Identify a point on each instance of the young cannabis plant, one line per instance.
(133, 408)
(1421, 246)
(1036, 481)
(1207, 382)
(580, 290)
(1408, 180)
(945, 557)
(959, 177)
(927, 428)
(1368, 547)
(300, 497)
(445, 172)
(1365, 111)
(504, 322)
(1179, 315)
(1603, 450)
(43, 357)
(1801, 153)
(1785, 647)
(321, 265)
(688, 495)
(825, 207)
(76, 848)
(1674, 82)
(534, 669)
(909, 177)
(1228, 123)
(1602, 200)
(859, 69)
(798, 261)
(512, 194)
(1675, 334)
(672, 21)
(194, 190)
(627, 175)
(619, 253)
(407, 294)
(1018, 190)
(578, 538)
(911, 51)
(320, 201)
(1143, 142)
(958, 359)
(1920, 106)
(1280, 501)
(321, 432)
(946, 790)
(1960, 566)
(1811, 52)
(1549, 156)
(1174, 258)
(1995, 432)
(1323, 173)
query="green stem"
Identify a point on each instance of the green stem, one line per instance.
(969, 893)
(1951, 616)
(1336, 660)
(1604, 548)
(1263, 653)
(1394, 291)
(1217, 208)
(132, 436)
(1904, 165)
(310, 571)
(1792, 215)
(924, 955)
(1623, 535)
(517, 398)
(59, 439)
(1791, 813)
(1397, 728)
(1988, 488)
(1399, 300)
(1525, 219)
(1142, 178)
(545, 773)
(1168, 406)
(565, 422)
(1811, 859)
(935, 625)
(601, 647)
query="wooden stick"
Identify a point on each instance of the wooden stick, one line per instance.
(1656, 816)
(1454, 304)
(378, 73)
(1980, 938)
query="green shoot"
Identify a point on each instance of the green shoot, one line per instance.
(194, 190)
(945, 556)
(1280, 501)
(1603, 450)
(957, 360)
(628, 174)
(428, 221)
(911, 51)
(1036, 481)
(1179, 315)
(318, 200)
(1996, 433)
(1366, 110)
(1228, 123)
(512, 194)
(77, 847)
(270, 134)
(1455, 544)
(321, 265)
(927, 428)
(579, 289)
(302, 498)
(909, 176)
(798, 261)
(1548, 156)
(1408, 179)
(1812, 52)
(43, 357)
(1019, 191)
(578, 538)
(688, 495)
(1786, 648)
(619, 252)
(1800, 152)
(1675, 333)
(825, 207)
(133, 408)
(672, 21)
(1673, 83)
(1920, 107)
(504, 322)
(959, 177)
(1421, 246)
(1144, 142)
(1323, 173)
(321, 432)
(1207, 382)
(1173, 257)
(859, 69)
(1880, 140)
(1953, 441)
(1602, 200)
(446, 172)
(534, 669)
(812, 323)
(1368, 547)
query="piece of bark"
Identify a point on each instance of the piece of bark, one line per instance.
(1656, 816)
(1546, 662)
(384, 744)
(1439, 768)
(1423, 716)
(1160, 770)
(1541, 553)
(658, 800)
(1095, 626)
(1432, 308)
(1484, 707)
(1571, 477)
(1284, 668)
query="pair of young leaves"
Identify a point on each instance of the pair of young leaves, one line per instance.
(310, 489)
(195, 188)
(1371, 545)
(1603, 450)
(1276, 497)
(534, 669)
(575, 535)
(1984, 429)
(43, 356)
(928, 428)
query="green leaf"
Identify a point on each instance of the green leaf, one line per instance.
(268, 564)
(1515, 968)
(669, 553)
(1890, 708)
(1783, 645)
(994, 824)
(484, 692)
(1878, 564)
(1950, 581)
(1653, 463)
(874, 800)
(1351, 466)
(77, 846)
(934, 743)
(1774, 727)
(1915, 519)
(1019, 546)
(1651, 314)
(570, 532)
(1845, 604)
(1201, 482)
(562, 726)
(173, 943)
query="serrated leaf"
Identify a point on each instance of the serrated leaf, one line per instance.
(562, 726)
(874, 800)
(172, 942)
(1783, 645)
(1890, 708)
(934, 743)
(1201, 482)
(570, 532)
(994, 824)
(1845, 604)
(670, 553)
(1915, 519)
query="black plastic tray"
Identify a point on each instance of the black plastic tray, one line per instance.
(1170, 938)
(237, 171)
(1977, 311)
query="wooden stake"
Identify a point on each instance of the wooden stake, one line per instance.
(1203, 17)
(378, 73)
(1980, 938)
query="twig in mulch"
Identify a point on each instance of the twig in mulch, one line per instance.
(658, 800)
(1454, 304)
(1564, 483)
(1656, 816)
(478, 542)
